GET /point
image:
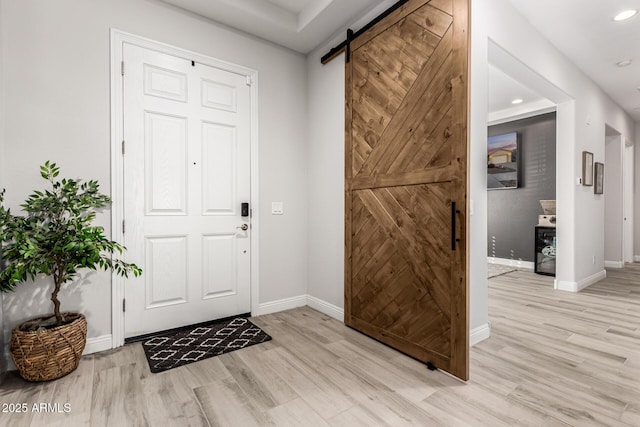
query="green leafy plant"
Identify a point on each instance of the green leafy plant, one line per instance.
(56, 237)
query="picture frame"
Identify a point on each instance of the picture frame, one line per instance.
(587, 168)
(503, 161)
(599, 178)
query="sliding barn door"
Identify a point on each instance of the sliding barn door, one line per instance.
(406, 182)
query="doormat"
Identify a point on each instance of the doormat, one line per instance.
(169, 351)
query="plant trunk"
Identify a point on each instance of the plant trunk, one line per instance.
(56, 301)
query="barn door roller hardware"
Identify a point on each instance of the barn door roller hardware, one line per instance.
(345, 45)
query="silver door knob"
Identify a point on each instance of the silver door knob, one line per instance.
(243, 227)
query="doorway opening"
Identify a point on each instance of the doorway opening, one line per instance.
(618, 199)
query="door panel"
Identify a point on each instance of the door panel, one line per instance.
(166, 270)
(219, 265)
(186, 171)
(220, 173)
(165, 164)
(405, 168)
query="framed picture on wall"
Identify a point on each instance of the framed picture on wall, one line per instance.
(587, 168)
(599, 172)
(502, 161)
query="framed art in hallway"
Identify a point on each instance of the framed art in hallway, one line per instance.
(502, 161)
(599, 172)
(587, 168)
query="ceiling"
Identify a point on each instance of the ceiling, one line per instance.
(300, 25)
(503, 90)
(582, 29)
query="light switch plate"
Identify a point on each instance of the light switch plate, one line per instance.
(277, 208)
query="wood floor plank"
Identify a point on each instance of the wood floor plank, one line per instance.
(414, 388)
(118, 398)
(356, 416)
(225, 404)
(308, 382)
(69, 398)
(204, 372)
(296, 413)
(17, 397)
(171, 401)
(279, 391)
(250, 383)
(394, 410)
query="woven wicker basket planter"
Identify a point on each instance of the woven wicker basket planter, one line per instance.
(51, 353)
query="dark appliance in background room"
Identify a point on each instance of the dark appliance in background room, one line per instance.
(545, 240)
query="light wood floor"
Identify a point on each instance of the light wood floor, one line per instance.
(553, 359)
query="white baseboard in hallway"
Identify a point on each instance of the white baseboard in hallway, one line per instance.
(515, 263)
(300, 301)
(281, 305)
(480, 333)
(98, 344)
(326, 308)
(614, 264)
(580, 285)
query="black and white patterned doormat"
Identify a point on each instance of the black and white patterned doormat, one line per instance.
(166, 352)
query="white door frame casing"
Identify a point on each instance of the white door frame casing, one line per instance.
(628, 204)
(118, 38)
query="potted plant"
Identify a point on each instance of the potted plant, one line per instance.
(55, 238)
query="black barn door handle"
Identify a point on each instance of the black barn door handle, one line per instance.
(454, 239)
(453, 226)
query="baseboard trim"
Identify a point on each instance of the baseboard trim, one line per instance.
(300, 301)
(326, 308)
(98, 344)
(614, 264)
(580, 285)
(476, 335)
(516, 263)
(281, 305)
(479, 334)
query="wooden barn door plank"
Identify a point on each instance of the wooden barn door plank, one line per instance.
(406, 183)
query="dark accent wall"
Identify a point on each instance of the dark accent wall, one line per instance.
(513, 213)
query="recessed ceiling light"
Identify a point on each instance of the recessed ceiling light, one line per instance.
(624, 63)
(624, 15)
(517, 101)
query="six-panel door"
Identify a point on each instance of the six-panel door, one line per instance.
(186, 173)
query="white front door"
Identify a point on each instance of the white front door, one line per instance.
(186, 173)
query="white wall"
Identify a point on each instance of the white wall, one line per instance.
(56, 73)
(478, 116)
(581, 126)
(326, 178)
(613, 187)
